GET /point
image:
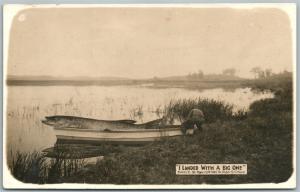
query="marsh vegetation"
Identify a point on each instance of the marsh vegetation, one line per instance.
(259, 135)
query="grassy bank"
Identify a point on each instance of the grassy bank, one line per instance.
(260, 138)
(219, 143)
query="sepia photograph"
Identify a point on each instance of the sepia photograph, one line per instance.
(144, 96)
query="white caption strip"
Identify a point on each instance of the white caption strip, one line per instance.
(211, 169)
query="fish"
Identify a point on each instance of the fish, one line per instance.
(61, 121)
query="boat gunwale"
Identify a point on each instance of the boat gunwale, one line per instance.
(61, 140)
(119, 131)
(149, 139)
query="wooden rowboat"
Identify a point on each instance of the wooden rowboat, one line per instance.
(137, 136)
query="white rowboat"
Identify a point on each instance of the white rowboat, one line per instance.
(73, 135)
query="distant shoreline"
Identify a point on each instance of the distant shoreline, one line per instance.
(189, 84)
(66, 82)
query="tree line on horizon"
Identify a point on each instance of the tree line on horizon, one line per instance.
(258, 73)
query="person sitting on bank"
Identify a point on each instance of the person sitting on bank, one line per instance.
(193, 122)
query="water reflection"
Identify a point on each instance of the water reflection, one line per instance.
(64, 160)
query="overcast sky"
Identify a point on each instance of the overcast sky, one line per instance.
(147, 42)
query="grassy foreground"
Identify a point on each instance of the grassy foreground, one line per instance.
(260, 138)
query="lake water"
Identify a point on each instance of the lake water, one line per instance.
(28, 105)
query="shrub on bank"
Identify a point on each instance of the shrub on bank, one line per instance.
(273, 115)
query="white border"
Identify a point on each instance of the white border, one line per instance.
(9, 11)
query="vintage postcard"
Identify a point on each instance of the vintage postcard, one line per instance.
(157, 96)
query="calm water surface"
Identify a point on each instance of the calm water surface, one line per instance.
(28, 105)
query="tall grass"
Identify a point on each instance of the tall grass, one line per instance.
(29, 167)
(34, 167)
(213, 110)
